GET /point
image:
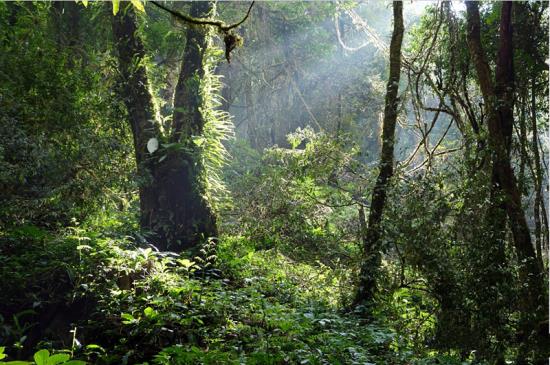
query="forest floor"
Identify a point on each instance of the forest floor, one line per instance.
(102, 298)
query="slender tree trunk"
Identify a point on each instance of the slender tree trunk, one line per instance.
(251, 117)
(504, 91)
(523, 157)
(499, 104)
(371, 242)
(538, 176)
(172, 182)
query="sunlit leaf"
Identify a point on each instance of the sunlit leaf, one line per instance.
(186, 263)
(116, 5)
(58, 359)
(150, 312)
(41, 357)
(138, 5)
(94, 346)
(127, 318)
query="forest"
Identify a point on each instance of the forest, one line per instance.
(274, 182)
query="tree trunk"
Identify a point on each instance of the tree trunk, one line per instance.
(181, 180)
(252, 128)
(499, 104)
(538, 177)
(136, 97)
(371, 241)
(172, 182)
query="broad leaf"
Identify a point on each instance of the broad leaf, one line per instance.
(58, 359)
(41, 357)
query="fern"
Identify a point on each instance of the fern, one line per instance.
(217, 129)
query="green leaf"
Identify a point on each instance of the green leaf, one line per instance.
(58, 359)
(75, 362)
(41, 357)
(94, 346)
(116, 5)
(199, 141)
(18, 362)
(149, 312)
(186, 263)
(85, 3)
(127, 318)
(138, 5)
(2, 354)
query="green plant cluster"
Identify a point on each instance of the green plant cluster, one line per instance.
(43, 357)
(251, 306)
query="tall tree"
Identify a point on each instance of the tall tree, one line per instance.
(498, 99)
(172, 181)
(373, 234)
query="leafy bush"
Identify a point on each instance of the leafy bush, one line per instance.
(300, 200)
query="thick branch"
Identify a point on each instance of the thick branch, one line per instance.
(221, 25)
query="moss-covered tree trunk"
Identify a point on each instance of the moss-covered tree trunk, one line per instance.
(180, 179)
(172, 181)
(373, 235)
(134, 92)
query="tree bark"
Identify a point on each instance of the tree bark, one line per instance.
(371, 241)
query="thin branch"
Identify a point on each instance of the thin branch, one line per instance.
(424, 136)
(308, 109)
(451, 150)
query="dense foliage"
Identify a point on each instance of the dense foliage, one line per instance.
(162, 205)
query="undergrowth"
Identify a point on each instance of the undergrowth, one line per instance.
(122, 302)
